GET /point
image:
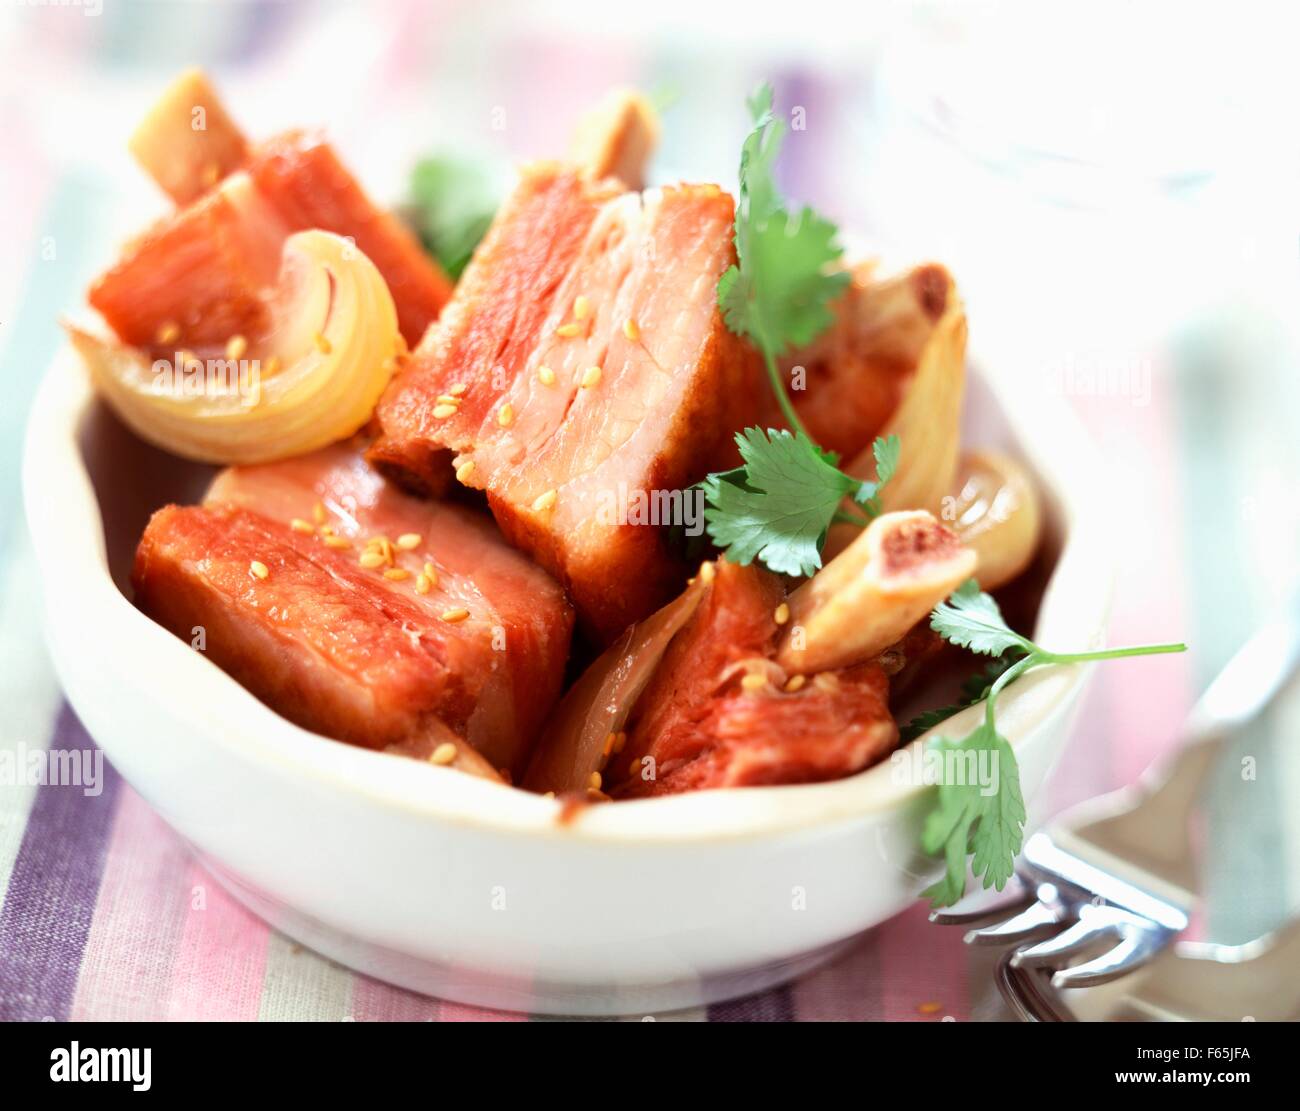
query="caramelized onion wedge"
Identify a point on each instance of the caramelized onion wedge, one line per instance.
(599, 703)
(617, 138)
(187, 142)
(867, 597)
(315, 380)
(996, 512)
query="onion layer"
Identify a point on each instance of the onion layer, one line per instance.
(315, 379)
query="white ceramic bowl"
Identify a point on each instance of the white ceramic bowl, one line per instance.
(472, 891)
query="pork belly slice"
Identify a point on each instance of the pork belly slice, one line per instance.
(302, 178)
(207, 268)
(581, 367)
(202, 271)
(718, 714)
(350, 651)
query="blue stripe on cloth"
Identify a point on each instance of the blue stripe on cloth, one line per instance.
(51, 898)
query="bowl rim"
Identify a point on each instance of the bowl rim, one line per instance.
(66, 526)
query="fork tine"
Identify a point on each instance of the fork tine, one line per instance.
(1136, 947)
(1034, 921)
(1079, 936)
(985, 906)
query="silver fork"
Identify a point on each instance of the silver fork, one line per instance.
(1113, 879)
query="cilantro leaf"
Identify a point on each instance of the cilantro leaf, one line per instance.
(779, 293)
(966, 820)
(971, 619)
(981, 814)
(886, 450)
(778, 511)
(454, 201)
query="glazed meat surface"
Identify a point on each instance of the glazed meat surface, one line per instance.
(701, 723)
(582, 369)
(382, 655)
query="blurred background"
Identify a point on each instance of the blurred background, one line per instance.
(1116, 187)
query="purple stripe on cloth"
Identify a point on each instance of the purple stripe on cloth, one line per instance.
(51, 898)
(775, 1005)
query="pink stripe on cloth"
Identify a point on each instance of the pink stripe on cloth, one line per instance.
(924, 969)
(220, 967)
(138, 920)
(375, 1001)
(1138, 705)
(464, 1012)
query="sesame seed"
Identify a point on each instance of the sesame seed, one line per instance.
(608, 746)
(258, 569)
(445, 753)
(169, 332)
(634, 767)
(323, 345)
(591, 377)
(212, 174)
(568, 330)
(632, 330)
(549, 795)
(372, 558)
(546, 376)
(422, 584)
(431, 573)
(753, 682)
(327, 530)
(448, 399)
(441, 412)
(581, 307)
(826, 681)
(272, 365)
(458, 389)
(782, 614)
(795, 682)
(235, 347)
(706, 572)
(397, 574)
(545, 501)
(409, 540)
(337, 542)
(465, 470)
(619, 741)
(454, 615)
(506, 415)
(594, 781)
(299, 525)
(318, 512)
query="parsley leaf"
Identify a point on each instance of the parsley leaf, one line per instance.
(453, 203)
(971, 619)
(985, 819)
(779, 508)
(778, 294)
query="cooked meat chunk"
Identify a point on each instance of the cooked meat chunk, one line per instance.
(718, 714)
(581, 374)
(438, 626)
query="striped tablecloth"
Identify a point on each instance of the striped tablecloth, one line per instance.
(103, 913)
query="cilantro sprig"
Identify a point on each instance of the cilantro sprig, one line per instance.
(969, 819)
(779, 505)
